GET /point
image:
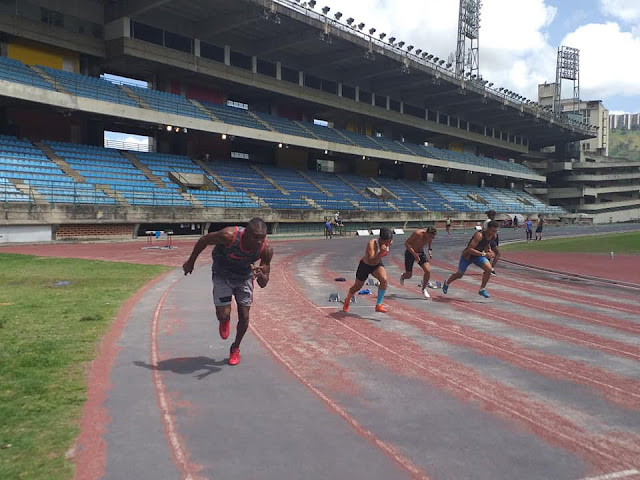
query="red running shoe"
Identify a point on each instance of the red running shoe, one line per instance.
(234, 356)
(347, 302)
(380, 308)
(224, 329)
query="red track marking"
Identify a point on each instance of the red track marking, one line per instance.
(591, 317)
(551, 330)
(283, 340)
(605, 453)
(508, 281)
(621, 390)
(188, 470)
(622, 267)
(90, 447)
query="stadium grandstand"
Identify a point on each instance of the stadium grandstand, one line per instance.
(251, 107)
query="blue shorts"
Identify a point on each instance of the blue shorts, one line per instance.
(464, 263)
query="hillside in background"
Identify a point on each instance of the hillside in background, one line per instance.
(625, 144)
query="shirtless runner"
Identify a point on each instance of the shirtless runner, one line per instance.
(415, 253)
(371, 264)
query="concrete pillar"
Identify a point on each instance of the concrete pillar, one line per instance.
(127, 26)
(373, 99)
(485, 131)
(357, 94)
(437, 117)
(426, 114)
(493, 133)
(278, 71)
(227, 55)
(339, 89)
(196, 47)
(468, 126)
(388, 102)
(401, 107)
(301, 78)
(254, 64)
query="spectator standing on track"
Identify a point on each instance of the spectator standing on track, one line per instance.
(371, 264)
(235, 252)
(495, 242)
(479, 252)
(415, 253)
(539, 228)
(328, 228)
(529, 229)
(448, 226)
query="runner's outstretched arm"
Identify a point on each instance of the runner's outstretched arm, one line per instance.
(221, 237)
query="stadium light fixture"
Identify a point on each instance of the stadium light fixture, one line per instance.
(361, 25)
(449, 65)
(436, 59)
(372, 31)
(169, 128)
(424, 55)
(392, 40)
(312, 3)
(338, 15)
(429, 57)
(409, 48)
(418, 51)
(177, 129)
(350, 21)
(440, 62)
(279, 145)
(224, 136)
(401, 44)
(382, 35)
(184, 130)
(490, 85)
(364, 157)
(325, 10)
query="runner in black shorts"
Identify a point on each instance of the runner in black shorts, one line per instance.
(371, 264)
(415, 253)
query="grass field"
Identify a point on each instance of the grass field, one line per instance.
(619, 243)
(47, 334)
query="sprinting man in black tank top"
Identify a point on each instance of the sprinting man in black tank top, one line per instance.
(235, 252)
(479, 252)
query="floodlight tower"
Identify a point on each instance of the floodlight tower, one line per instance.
(467, 51)
(567, 68)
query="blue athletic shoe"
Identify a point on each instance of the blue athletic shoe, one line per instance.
(445, 288)
(484, 293)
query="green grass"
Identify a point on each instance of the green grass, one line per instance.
(624, 144)
(47, 335)
(619, 243)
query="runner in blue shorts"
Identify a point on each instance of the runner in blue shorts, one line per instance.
(478, 252)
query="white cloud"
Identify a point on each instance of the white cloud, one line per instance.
(514, 51)
(617, 112)
(627, 10)
(608, 60)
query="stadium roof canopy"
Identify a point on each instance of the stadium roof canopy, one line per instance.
(306, 40)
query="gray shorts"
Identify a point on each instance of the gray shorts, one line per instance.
(224, 289)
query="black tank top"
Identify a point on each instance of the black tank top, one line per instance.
(234, 262)
(482, 245)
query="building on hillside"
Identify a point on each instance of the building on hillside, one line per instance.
(626, 121)
(593, 112)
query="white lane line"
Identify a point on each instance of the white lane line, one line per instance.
(614, 475)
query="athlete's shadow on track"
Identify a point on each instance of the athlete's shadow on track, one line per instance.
(186, 366)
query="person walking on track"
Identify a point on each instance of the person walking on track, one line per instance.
(448, 226)
(371, 264)
(415, 253)
(529, 229)
(479, 252)
(539, 228)
(235, 252)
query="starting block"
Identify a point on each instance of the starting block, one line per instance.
(335, 297)
(362, 233)
(372, 282)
